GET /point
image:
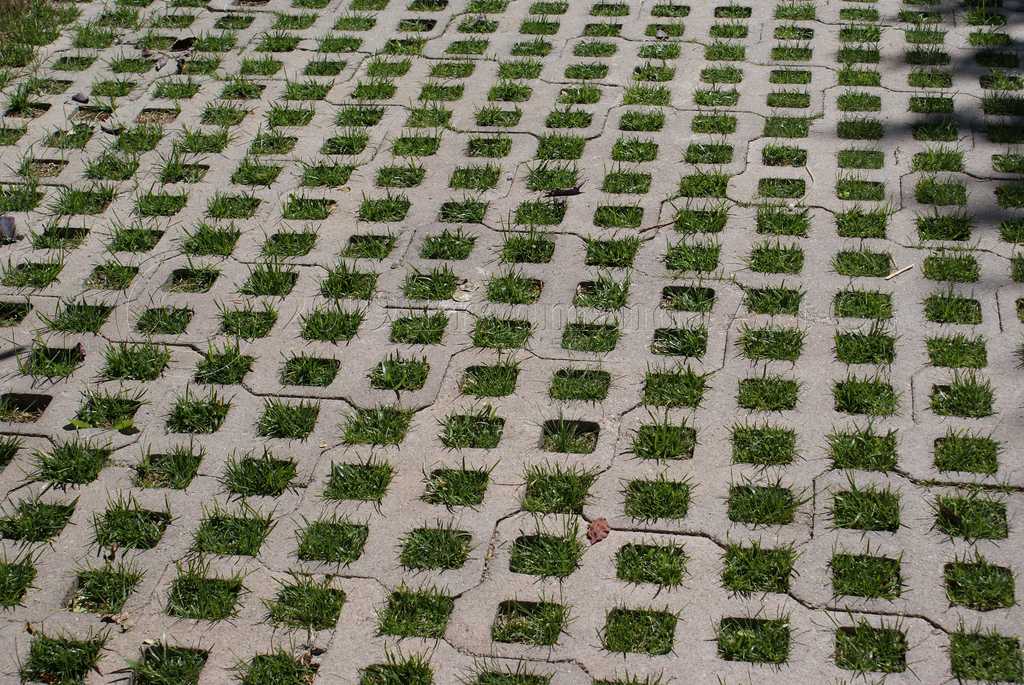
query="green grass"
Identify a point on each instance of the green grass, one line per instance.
(962, 450)
(974, 583)
(776, 258)
(388, 208)
(72, 462)
(252, 173)
(783, 155)
(711, 220)
(663, 565)
(871, 395)
(497, 333)
(412, 670)
(663, 439)
(720, 124)
(331, 540)
(552, 489)
(772, 342)
(710, 184)
(330, 175)
(746, 570)
(32, 520)
(548, 176)
(262, 476)
(195, 594)
(220, 532)
(948, 307)
(272, 278)
(247, 323)
(858, 101)
(415, 613)
(304, 602)
(160, 204)
(954, 266)
(584, 385)
(112, 274)
(364, 480)
(872, 347)
(863, 448)
(755, 640)
(787, 127)
(547, 555)
(133, 238)
(301, 208)
(437, 284)
(456, 487)
(61, 658)
(642, 120)
(344, 282)
(427, 329)
(658, 498)
(863, 263)
(951, 226)
(231, 206)
(866, 576)
(49, 362)
(16, 576)
(193, 279)
(686, 342)
(476, 46)
(332, 324)
(34, 275)
(858, 158)
(763, 444)
(9, 447)
(587, 336)
(643, 631)
(441, 548)
(111, 166)
(868, 508)
(940, 158)
(864, 648)
(194, 413)
(174, 469)
(603, 293)
(968, 394)
(977, 655)
(701, 256)
(674, 386)
(537, 623)
(163, 320)
(498, 380)
(380, 425)
(125, 524)
(568, 436)
(13, 313)
(448, 245)
(930, 190)
(282, 419)
(863, 304)
(768, 393)
(163, 663)
(105, 590)
(615, 253)
(397, 373)
(135, 361)
(770, 504)
(309, 371)
(77, 201)
(780, 220)
(513, 287)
